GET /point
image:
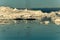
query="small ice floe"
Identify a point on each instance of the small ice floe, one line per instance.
(46, 22)
(41, 22)
(57, 21)
(15, 9)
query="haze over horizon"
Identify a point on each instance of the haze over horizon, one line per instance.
(31, 3)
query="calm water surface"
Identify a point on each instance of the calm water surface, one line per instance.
(32, 30)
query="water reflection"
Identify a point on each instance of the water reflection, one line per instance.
(32, 30)
(6, 21)
(20, 21)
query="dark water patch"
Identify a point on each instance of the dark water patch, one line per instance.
(48, 10)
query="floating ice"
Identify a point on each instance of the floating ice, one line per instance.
(11, 14)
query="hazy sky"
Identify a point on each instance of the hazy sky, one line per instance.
(30, 3)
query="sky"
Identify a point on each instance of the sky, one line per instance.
(31, 3)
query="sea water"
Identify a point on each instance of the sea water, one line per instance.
(32, 30)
